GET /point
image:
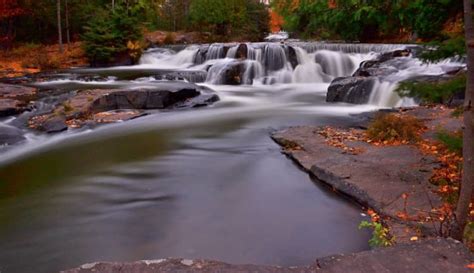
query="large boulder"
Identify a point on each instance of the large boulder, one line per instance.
(141, 99)
(384, 65)
(355, 90)
(83, 107)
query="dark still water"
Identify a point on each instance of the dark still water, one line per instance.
(206, 183)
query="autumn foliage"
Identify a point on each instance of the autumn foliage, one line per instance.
(10, 8)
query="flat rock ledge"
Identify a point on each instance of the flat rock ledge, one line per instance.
(434, 255)
(376, 178)
(91, 107)
(380, 176)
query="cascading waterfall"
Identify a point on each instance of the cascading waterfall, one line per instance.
(167, 58)
(292, 63)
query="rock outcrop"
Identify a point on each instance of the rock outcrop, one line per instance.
(14, 99)
(355, 90)
(101, 105)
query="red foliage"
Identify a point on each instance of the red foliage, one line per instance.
(276, 21)
(10, 8)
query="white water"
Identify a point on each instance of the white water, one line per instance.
(271, 63)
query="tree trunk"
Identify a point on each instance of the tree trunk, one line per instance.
(68, 37)
(113, 4)
(60, 35)
(462, 210)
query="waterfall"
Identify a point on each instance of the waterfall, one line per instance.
(336, 64)
(383, 94)
(167, 58)
(293, 63)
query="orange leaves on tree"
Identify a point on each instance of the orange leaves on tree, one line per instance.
(276, 21)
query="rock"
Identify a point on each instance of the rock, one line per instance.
(384, 65)
(15, 98)
(242, 52)
(394, 54)
(104, 105)
(373, 68)
(17, 92)
(54, 124)
(191, 76)
(350, 89)
(10, 135)
(9, 107)
(429, 256)
(292, 58)
(158, 98)
(199, 101)
(229, 73)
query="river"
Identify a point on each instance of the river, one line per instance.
(202, 183)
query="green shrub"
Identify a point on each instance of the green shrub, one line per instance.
(108, 33)
(438, 92)
(380, 234)
(394, 127)
(438, 51)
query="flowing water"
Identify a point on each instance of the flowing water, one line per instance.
(204, 183)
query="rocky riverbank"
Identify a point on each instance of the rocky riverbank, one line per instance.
(393, 180)
(434, 255)
(42, 111)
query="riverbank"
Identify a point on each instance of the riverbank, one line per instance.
(410, 186)
(34, 58)
(435, 255)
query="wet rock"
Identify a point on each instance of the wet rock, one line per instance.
(242, 52)
(101, 105)
(355, 90)
(232, 74)
(394, 54)
(10, 135)
(384, 65)
(141, 99)
(373, 68)
(54, 124)
(292, 58)
(190, 76)
(199, 101)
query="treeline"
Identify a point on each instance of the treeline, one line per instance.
(368, 20)
(37, 21)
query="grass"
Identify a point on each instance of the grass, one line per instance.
(452, 141)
